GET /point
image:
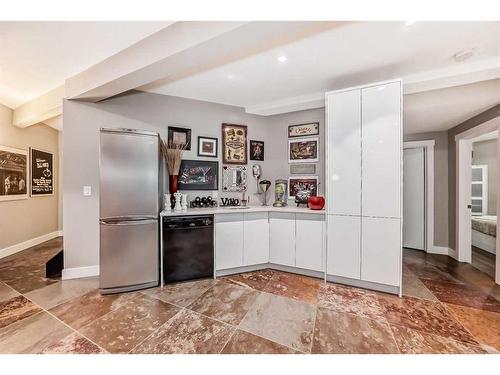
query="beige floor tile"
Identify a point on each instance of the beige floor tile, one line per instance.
(245, 343)
(6, 292)
(181, 294)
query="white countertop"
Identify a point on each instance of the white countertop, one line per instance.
(227, 210)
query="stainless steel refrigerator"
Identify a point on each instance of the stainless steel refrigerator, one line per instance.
(129, 207)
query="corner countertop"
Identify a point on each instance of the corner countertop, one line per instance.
(234, 210)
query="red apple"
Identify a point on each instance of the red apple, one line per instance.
(315, 202)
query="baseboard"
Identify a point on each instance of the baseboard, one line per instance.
(439, 250)
(78, 272)
(453, 253)
(27, 244)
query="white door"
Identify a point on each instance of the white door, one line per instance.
(256, 238)
(344, 246)
(381, 150)
(414, 187)
(282, 238)
(381, 250)
(228, 241)
(309, 241)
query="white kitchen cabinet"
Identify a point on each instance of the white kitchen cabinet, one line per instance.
(282, 238)
(381, 150)
(256, 238)
(229, 240)
(309, 231)
(344, 246)
(381, 250)
(344, 153)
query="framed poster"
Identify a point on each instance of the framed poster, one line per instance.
(207, 146)
(179, 136)
(199, 175)
(304, 184)
(234, 178)
(13, 173)
(302, 150)
(234, 144)
(303, 130)
(42, 173)
(257, 150)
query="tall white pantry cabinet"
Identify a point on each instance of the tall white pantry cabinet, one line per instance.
(363, 178)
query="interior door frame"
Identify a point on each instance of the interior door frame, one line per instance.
(463, 142)
(428, 146)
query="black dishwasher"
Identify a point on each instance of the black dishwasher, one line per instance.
(188, 247)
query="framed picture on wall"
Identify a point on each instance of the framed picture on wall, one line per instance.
(199, 175)
(234, 144)
(302, 150)
(207, 146)
(14, 172)
(303, 130)
(302, 184)
(179, 136)
(257, 150)
(42, 173)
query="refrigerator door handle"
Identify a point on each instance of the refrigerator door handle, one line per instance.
(128, 222)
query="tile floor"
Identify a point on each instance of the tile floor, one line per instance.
(447, 308)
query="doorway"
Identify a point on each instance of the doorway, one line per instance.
(418, 195)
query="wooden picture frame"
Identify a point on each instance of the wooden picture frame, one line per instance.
(234, 144)
(208, 147)
(303, 130)
(177, 135)
(14, 173)
(41, 173)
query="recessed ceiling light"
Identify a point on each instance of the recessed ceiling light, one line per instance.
(282, 59)
(463, 55)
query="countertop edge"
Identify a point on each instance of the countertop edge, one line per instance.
(221, 210)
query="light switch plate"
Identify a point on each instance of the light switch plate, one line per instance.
(87, 191)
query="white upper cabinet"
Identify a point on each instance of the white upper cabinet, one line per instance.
(282, 238)
(229, 241)
(381, 150)
(344, 153)
(309, 230)
(256, 238)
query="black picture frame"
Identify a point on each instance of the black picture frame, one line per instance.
(191, 175)
(206, 154)
(172, 130)
(41, 173)
(255, 154)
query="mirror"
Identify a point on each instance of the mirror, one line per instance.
(234, 178)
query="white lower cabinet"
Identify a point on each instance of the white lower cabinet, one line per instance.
(255, 238)
(344, 246)
(282, 238)
(229, 240)
(381, 250)
(309, 230)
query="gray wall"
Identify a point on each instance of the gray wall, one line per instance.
(485, 153)
(440, 183)
(25, 219)
(153, 112)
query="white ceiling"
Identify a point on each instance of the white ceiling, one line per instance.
(356, 53)
(443, 109)
(36, 57)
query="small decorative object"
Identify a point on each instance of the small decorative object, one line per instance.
(264, 186)
(316, 202)
(180, 137)
(245, 200)
(184, 202)
(203, 202)
(303, 149)
(207, 147)
(307, 168)
(234, 178)
(234, 144)
(172, 153)
(280, 192)
(302, 184)
(303, 130)
(257, 150)
(178, 197)
(301, 197)
(167, 202)
(13, 173)
(199, 175)
(257, 172)
(230, 202)
(42, 173)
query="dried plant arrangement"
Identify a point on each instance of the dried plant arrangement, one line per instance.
(172, 153)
